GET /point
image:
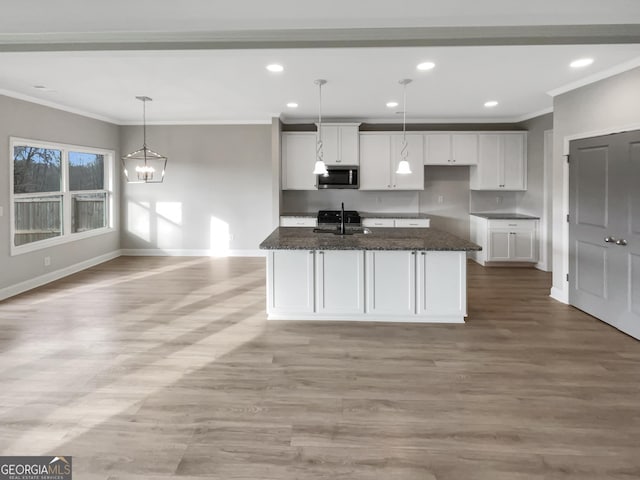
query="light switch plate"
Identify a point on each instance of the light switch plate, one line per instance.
(1, 211)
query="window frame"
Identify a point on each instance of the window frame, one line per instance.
(65, 193)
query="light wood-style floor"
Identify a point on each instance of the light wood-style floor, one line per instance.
(156, 368)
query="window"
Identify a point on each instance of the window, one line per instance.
(59, 193)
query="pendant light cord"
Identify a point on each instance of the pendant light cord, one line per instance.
(404, 113)
(144, 123)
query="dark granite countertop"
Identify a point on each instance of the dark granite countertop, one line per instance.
(302, 238)
(504, 216)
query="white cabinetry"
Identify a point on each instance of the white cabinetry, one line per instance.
(298, 159)
(505, 240)
(502, 162)
(391, 277)
(396, 222)
(340, 144)
(288, 221)
(290, 282)
(340, 281)
(442, 284)
(379, 158)
(451, 148)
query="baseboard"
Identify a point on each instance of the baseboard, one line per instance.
(176, 252)
(559, 295)
(542, 266)
(56, 275)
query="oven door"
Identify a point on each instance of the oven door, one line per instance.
(339, 177)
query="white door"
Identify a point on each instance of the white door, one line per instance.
(340, 281)
(604, 229)
(464, 148)
(390, 282)
(298, 158)
(437, 149)
(290, 281)
(442, 283)
(375, 162)
(415, 157)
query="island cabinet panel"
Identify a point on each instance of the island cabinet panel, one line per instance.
(442, 284)
(290, 276)
(390, 281)
(340, 281)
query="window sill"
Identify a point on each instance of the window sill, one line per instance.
(52, 242)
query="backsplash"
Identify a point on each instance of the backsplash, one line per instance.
(294, 201)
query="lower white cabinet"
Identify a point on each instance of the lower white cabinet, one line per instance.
(505, 240)
(396, 222)
(340, 281)
(391, 279)
(290, 221)
(442, 284)
(290, 282)
(375, 285)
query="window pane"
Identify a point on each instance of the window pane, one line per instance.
(37, 218)
(88, 211)
(86, 171)
(36, 170)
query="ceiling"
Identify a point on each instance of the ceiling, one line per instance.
(95, 57)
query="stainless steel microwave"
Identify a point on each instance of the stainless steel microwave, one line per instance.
(340, 177)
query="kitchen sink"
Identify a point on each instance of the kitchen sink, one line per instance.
(349, 231)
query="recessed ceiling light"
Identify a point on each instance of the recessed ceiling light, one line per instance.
(392, 104)
(274, 67)
(40, 87)
(490, 104)
(425, 66)
(292, 105)
(581, 62)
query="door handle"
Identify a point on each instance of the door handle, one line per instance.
(622, 242)
(610, 240)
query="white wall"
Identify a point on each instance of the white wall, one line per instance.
(608, 106)
(28, 120)
(217, 193)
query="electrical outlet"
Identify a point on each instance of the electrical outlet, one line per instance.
(231, 236)
(440, 199)
(498, 200)
(1, 211)
(47, 261)
(379, 199)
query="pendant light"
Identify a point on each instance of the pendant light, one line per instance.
(320, 168)
(403, 166)
(144, 165)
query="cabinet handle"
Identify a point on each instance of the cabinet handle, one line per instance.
(513, 224)
(423, 253)
(310, 252)
(394, 186)
(321, 253)
(388, 186)
(413, 253)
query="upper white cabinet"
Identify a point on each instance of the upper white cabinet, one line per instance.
(298, 159)
(340, 144)
(502, 162)
(379, 158)
(451, 148)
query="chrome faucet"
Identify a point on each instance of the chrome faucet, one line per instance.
(342, 229)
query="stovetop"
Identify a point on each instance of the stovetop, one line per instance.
(351, 217)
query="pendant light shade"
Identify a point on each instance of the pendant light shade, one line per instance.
(144, 165)
(403, 165)
(320, 168)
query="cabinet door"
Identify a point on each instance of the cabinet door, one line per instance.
(442, 284)
(415, 157)
(437, 149)
(486, 175)
(513, 162)
(340, 281)
(375, 162)
(378, 222)
(499, 246)
(331, 145)
(349, 145)
(524, 246)
(464, 148)
(290, 281)
(298, 158)
(390, 282)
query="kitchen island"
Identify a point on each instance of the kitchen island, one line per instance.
(389, 274)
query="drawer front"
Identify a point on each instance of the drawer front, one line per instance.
(298, 222)
(412, 223)
(513, 224)
(378, 222)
